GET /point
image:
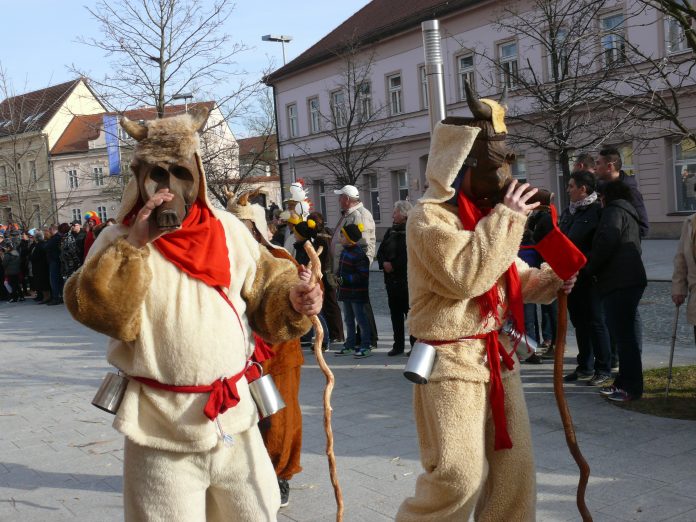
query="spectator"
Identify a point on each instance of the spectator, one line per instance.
(392, 259)
(579, 222)
(684, 275)
(353, 276)
(616, 266)
(53, 255)
(89, 238)
(70, 257)
(584, 162)
(39, 268)
(531, 317)
(79, 235)
(12, 263)
(24, 247)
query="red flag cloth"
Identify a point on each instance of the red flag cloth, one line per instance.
(559, 252)
(198, 247)
(470, 215)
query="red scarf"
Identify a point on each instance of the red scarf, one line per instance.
(199, 247)
(488, 303)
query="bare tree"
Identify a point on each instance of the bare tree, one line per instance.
(682, 13)
(355, 129)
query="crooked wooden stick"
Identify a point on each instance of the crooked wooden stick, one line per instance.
(315, 267)
(563, 409)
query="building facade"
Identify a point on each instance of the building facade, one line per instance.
(311, 90)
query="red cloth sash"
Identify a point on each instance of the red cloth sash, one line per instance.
(488, 303)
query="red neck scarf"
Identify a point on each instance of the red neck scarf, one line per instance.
(488, 303)
(199, 247)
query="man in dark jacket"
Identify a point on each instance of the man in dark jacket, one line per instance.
(579, 222)
(608, 168)
(79, 235)
(391, 257)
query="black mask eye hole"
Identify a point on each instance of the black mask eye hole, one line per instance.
(180, 172)
(158, 175)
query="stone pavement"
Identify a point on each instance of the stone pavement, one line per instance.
(61, 460)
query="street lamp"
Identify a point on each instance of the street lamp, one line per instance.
(282, 38)
(186, 96)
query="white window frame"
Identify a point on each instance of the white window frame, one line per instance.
(395, 94)
(101, 212)
(73, 180)
(401, 183)
(681, 164)
(423, 79)
(291, 111)
(321, 195)
(612, 39)
(675, 37)
(519, 168)
(465, 72)
(561, 35)
(375, 207)
(365, 100)
(508, 64)
(3, 175)
(76, 215)
(338, 107)
(314, 115)
(98, 176)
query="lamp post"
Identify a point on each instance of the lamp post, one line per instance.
(282, 38)
(186, 96)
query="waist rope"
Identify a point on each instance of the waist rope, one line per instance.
(495, 351)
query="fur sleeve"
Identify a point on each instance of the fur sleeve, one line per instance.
(269, 310)
(539, 285)
(464, 264)
(107, 292)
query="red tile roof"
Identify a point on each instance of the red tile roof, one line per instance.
(83, 129)
(256, 144)
(377, 20)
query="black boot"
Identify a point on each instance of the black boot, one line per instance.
(284, 492)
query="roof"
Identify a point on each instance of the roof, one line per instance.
(33, 110)
(376, 21)
(256, 144)
(82, 129)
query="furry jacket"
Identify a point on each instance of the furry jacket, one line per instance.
(684, 275)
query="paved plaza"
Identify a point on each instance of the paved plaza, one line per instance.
(61, 460)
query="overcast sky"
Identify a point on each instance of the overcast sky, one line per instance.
(38, 37)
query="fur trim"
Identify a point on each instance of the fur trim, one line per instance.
(169, 140)
(498, 115)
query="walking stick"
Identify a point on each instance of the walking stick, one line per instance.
(315, 267)
(563, 409)
(671, 350)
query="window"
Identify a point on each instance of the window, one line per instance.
(3, 175)
(32, 171)
(507, 62)
(401, 184)
(72, 179)
(292, 120)
(395, 101)
(465, 72)
(685, 174)
(321, 191)
(558, 53)
(374, 197)
(675, 38)
(314, 115)
(77, 215)
(519, 169)
(612, 40)
(365, 101)
(37, 216)
(101, 211)
(338, 108)
(98, 176)
(18, 174)
(626, 152)
(424, 86)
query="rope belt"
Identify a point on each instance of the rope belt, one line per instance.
(495, 351)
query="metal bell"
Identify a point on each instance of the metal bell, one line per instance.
(526, 346)
(420, 363)
(265, 394)
(110, 392)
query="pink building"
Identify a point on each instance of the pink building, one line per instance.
(312, 90)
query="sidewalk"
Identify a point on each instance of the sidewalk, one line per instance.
(61, 460)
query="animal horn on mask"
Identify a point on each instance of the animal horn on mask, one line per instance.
(480, 110)
(135, 130)
(199, 115)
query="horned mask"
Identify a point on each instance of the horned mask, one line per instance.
(166, 156)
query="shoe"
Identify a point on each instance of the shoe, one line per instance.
(614, 369)
(346, 351)
(361, 354)
(395, 351)
(13, 300)
(52, 303)
(599, 380)
(21, 298)
(284, 492)
(621, 396)
(407, 354)
(549, 354)
(606, 391)
(534, 359)
(575, 376)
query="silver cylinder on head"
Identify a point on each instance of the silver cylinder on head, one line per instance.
(111, 392)
(266, 395)
(420, 363)
(434, 71)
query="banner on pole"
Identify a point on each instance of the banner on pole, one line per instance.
(113, 151)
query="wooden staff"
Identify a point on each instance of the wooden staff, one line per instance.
(572, 442)
(315, 267)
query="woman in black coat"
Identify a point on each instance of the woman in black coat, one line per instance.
(39, 268)
(616, 267)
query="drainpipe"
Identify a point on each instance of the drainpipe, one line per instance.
(280, 166)
(434, 71)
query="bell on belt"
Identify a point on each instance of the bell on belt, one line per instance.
(265, 394)
(526, 346)
(110, 393)
(420, 363)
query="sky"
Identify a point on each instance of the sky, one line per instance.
(39, 36)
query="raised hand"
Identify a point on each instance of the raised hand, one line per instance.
(516, 198)
(142, 230)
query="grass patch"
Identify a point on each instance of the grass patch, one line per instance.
(681, 403)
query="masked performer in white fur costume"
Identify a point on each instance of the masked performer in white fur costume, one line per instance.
(465, 280)
(179, 286)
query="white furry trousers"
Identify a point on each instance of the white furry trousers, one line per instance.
(463, 475)
(230, 484)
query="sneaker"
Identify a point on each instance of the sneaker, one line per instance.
(549, 354)
(576, 376)
(534, 359)
(606, 391)
(362, 353)
(394, 351)
(614, 369)
(621, 396)
(599, 380)
(346, 351)
(284, 487)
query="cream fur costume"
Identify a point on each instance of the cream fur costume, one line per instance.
(448, 267)
(167, 326)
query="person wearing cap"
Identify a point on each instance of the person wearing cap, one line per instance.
(79, 234)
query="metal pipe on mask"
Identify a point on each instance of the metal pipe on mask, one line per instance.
(434, 71)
